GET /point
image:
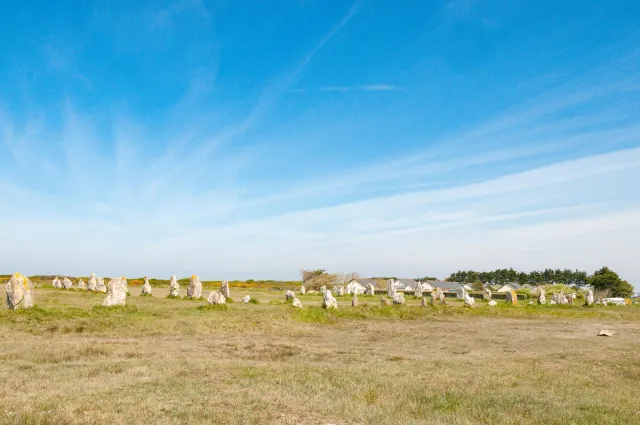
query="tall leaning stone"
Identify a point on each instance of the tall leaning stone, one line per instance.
(146, 287)
(116, 292)
(66, 283)
(224, 288)
(542, 298)
(194, 290)
(511, 297)
(92, 284)
(19, 291)
(174, 287)
(100, 286)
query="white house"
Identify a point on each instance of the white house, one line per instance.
(359, 285)
(510, 286)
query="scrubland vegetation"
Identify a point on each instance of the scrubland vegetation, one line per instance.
(165, 361)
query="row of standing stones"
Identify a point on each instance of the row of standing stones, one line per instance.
(20, 293)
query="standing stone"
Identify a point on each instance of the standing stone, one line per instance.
(174, 287)
(92, 285)
(541, 296)
(19, 291)
(339, 290)
(486, 294)
(224, 288)
(391, 288)
(588, 298)
(469, 301)
(289, 295)
(56, 283)
(555, 298)
(328, 301)
(492, 303)
(216, 298)
(511, 297)
(398, 299)
(460, 293)
(354, 299)
(66, 283)
(101, 287)
(424, 302)
(246, 299)
(438, 294)
(194, 290)
(563, 298)
(370, 289)
(116, 292)
(385, 301)
(570, 298)
(323, 289)
(417, 292)
(297, 304)
(146, 287)
(81, 284)
(303, 290)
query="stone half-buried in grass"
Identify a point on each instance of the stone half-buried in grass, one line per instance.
(246, 299)
(19, 292)
(296, 303)
(216, 298)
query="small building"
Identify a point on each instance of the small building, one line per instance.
(405, 285)
(510, 286)
(359, 285)
(448, 286)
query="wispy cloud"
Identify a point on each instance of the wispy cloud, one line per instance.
(371, 87)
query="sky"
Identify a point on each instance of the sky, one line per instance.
(252, 139)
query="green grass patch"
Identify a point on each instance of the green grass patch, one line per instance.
(214, 307)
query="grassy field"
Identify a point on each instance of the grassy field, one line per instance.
(163, 361)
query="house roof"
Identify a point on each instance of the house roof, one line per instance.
(405, 283)
(443, 284)
(365, 281)
(514, 285)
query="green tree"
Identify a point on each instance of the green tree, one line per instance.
(605, 278)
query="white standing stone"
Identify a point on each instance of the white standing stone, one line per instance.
(486, 294)
(92, 285)
(417, 292)
(391, 288)
(296, 303)
(224, 288)
(19, 292)
(555, 298)
(194, 290)
(146, 287)
(246, 299)
(460, 293)
(588, 298)
(542, 299)
(563, 299)
(492, 303)
(116, 292)
(424, 302)
(354, 299)
(469, 301)
(370, 289)
(328, 301)
(216, 298)
(398, 299)
(289, 295)
(101, 287)
(339, 290)
(56, 283)
(66, 283)
(81, 284)
(303, 290)
(438, 295)
(174, 287)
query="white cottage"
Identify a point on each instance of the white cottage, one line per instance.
(359, 285)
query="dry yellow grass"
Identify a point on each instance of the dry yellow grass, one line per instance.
(168, 362)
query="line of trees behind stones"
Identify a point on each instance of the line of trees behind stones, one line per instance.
(603, 279)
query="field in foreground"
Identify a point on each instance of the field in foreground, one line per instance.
(171, 361)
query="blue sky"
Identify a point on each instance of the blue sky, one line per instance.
(249, 139)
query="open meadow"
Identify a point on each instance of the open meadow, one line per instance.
(169, 361)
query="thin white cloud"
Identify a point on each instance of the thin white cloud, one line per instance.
(371, 87)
